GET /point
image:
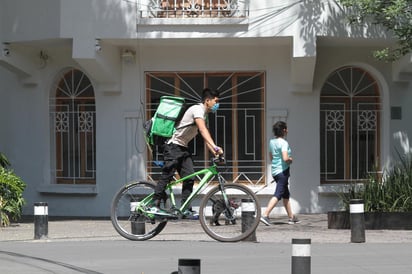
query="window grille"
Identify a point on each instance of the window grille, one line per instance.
(238, 126)
(73, 124)
(194, 8)
(349, 126)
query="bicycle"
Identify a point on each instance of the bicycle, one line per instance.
(220, 212)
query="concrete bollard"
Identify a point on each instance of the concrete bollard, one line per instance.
(138, 227)
(248, 216)
(188, 266)
(357, 221)
(41, 213)
(301, 256)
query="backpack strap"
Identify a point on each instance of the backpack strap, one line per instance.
(185, 126)
(166, 117)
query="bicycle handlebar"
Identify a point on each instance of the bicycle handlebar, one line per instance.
(218, 160)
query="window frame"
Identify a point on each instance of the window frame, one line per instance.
(73, 129)
(237, 172)
(349, 101)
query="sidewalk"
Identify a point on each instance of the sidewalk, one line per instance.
(313, 226)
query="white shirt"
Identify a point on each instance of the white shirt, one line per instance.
(184, 133)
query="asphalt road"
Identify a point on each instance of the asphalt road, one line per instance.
(122, 256)
(90, 246)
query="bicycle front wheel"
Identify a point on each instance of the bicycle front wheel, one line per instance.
(127, 219)
(230, 215)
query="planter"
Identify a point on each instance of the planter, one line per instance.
(373, 220)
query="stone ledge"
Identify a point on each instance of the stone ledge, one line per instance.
(68, 189)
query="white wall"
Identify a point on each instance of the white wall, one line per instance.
(75, 24)
(30, 130)
(27, 20)
(8, 85)
(112, 150)
(275, 61)
(392, 94)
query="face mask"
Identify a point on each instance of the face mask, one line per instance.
(215, 107)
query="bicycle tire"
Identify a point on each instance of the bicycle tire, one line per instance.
(237, 226)
(133, 225)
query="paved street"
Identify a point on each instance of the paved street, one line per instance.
(313, 226)
(93, 246)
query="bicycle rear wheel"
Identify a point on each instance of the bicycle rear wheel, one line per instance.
(128, 221)
(229, 219)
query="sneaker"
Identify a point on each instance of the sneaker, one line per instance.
(294, 220)
(190, 214)
(265, 220)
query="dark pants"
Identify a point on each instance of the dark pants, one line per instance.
(282, 185)
(176, 158)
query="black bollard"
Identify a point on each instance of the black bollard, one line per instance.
(138, 226)
(188, 266)
(41, 213)
(248, 216)
(301, 256)
(357, 221)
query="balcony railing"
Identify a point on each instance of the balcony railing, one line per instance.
(195, 8)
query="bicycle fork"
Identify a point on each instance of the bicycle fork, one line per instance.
(228, 208)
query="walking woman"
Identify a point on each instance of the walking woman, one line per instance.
(280, 153)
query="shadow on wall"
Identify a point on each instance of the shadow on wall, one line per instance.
(314, 22)
(403, 139)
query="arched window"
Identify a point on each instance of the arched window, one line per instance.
(73, 124)
(349, 126)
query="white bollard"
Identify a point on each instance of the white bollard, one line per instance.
(301, 256)
(188, 266)
(41, 213)
(138, 226)
(248, 217)
(357, 221)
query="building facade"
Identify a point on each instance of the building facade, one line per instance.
(80, 77)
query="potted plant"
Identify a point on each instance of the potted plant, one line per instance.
(387, 199)
(11, 193)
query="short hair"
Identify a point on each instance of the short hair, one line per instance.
(209, 94)
(279, 128)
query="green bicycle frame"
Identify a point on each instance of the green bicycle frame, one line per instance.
(208, 173)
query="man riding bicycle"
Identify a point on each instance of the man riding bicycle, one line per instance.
(177, 156)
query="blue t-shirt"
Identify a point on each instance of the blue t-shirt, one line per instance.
(276, 146)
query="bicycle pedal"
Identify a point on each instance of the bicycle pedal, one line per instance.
(151, 221)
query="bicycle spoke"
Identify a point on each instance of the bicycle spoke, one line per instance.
(222, 218)
(127, 216)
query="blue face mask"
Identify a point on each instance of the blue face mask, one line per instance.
(215, 107)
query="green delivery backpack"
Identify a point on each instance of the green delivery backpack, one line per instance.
(163, 124)
(167, 114)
